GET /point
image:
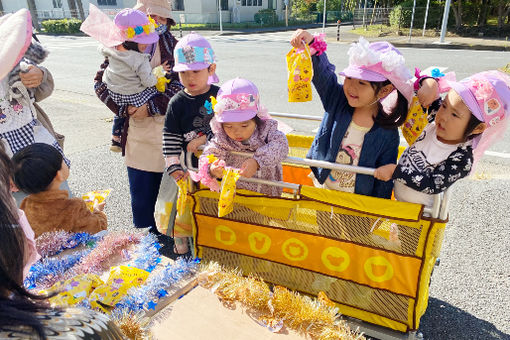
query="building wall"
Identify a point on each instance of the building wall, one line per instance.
(195, 11)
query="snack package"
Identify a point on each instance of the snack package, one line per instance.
(121, 279)
(165, 209)
(96, 195)
(74, 290)
(386, 234)
(160, 73)
(182, 225)
(300, 73)
(228, 191)
(415, 122)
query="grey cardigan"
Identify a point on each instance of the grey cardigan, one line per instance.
(129, 72)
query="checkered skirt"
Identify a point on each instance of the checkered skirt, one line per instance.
(137, 99)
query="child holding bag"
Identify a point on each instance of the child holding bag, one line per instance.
(472, 116)
(360, 125)
(241, 123)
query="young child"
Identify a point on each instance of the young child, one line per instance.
(8, 205)
(129, 76)
(357, 129)
(190, 110)
(39, 170)
(472, 116)
(240, 123)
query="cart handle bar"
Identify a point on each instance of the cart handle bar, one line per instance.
(433, 211)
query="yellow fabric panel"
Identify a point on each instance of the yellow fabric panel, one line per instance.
(299, 141)
(370, 205)
(365, 265)
(428, 266)
(423, 238)
(372, 318)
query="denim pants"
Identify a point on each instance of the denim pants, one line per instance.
(144, 189)
(118, 125)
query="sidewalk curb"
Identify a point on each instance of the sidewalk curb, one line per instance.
(454, 46)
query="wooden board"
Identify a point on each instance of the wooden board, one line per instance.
(200, 315)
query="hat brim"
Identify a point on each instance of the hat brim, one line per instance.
(150, 38)
(155, 10)
(353, 71)
(181, 67)
(468, 98)
(15, 38)
(235, 116)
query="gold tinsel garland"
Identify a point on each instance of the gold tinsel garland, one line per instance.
(317, 318)
(135, 326)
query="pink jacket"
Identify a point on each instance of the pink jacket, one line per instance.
(269, 146)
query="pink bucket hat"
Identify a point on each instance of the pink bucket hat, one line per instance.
(379, 61)
(487, 95)
(15, 38)
(192, 53)
(136, 26)
(237, 101)
(161, 8)
(128, 25)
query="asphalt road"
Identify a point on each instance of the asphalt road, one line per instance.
(470, 290)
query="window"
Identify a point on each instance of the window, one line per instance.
(270, 4)
(57, 3)
(224, 5)
(178, 5)
(107, 2)
(251, 2)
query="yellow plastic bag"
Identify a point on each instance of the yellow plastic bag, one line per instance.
(121, 279)
(415, 122)
(228, 191)
(165, 209)
(182, 225)
(96, 195)
(300, 73)
(74, 290)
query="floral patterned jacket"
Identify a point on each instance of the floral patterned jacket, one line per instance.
(269, 147)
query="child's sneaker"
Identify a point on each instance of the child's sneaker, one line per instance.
(115, 147)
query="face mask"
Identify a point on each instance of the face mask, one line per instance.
(161, 29)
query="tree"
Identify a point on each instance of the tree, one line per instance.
(72, 8)
(481, 19)
(33, 11)
(457, 11)
(503, 7)
(1, 7)
(79, 4)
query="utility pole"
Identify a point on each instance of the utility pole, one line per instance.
(324, 18)
(412, 21)
(425, 20)
(445, 21)
(221, 19)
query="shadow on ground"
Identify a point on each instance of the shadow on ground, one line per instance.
(443, 321)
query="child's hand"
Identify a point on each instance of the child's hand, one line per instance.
(33, 77)
(385, 172)
(179, 174)
(216, 169)
(249, 168)
(195, 143)
(298, 37)
(428, 92)
(99, 206)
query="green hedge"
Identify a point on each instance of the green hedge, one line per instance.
(61, 26)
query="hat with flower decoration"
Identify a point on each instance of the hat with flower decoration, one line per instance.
(379, 61)
(128, 25)
(487, 95)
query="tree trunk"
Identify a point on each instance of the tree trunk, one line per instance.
(80, 9)
(72, 8)
(502, 14)
(1, 8)
(33, 11)
(457, 11)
